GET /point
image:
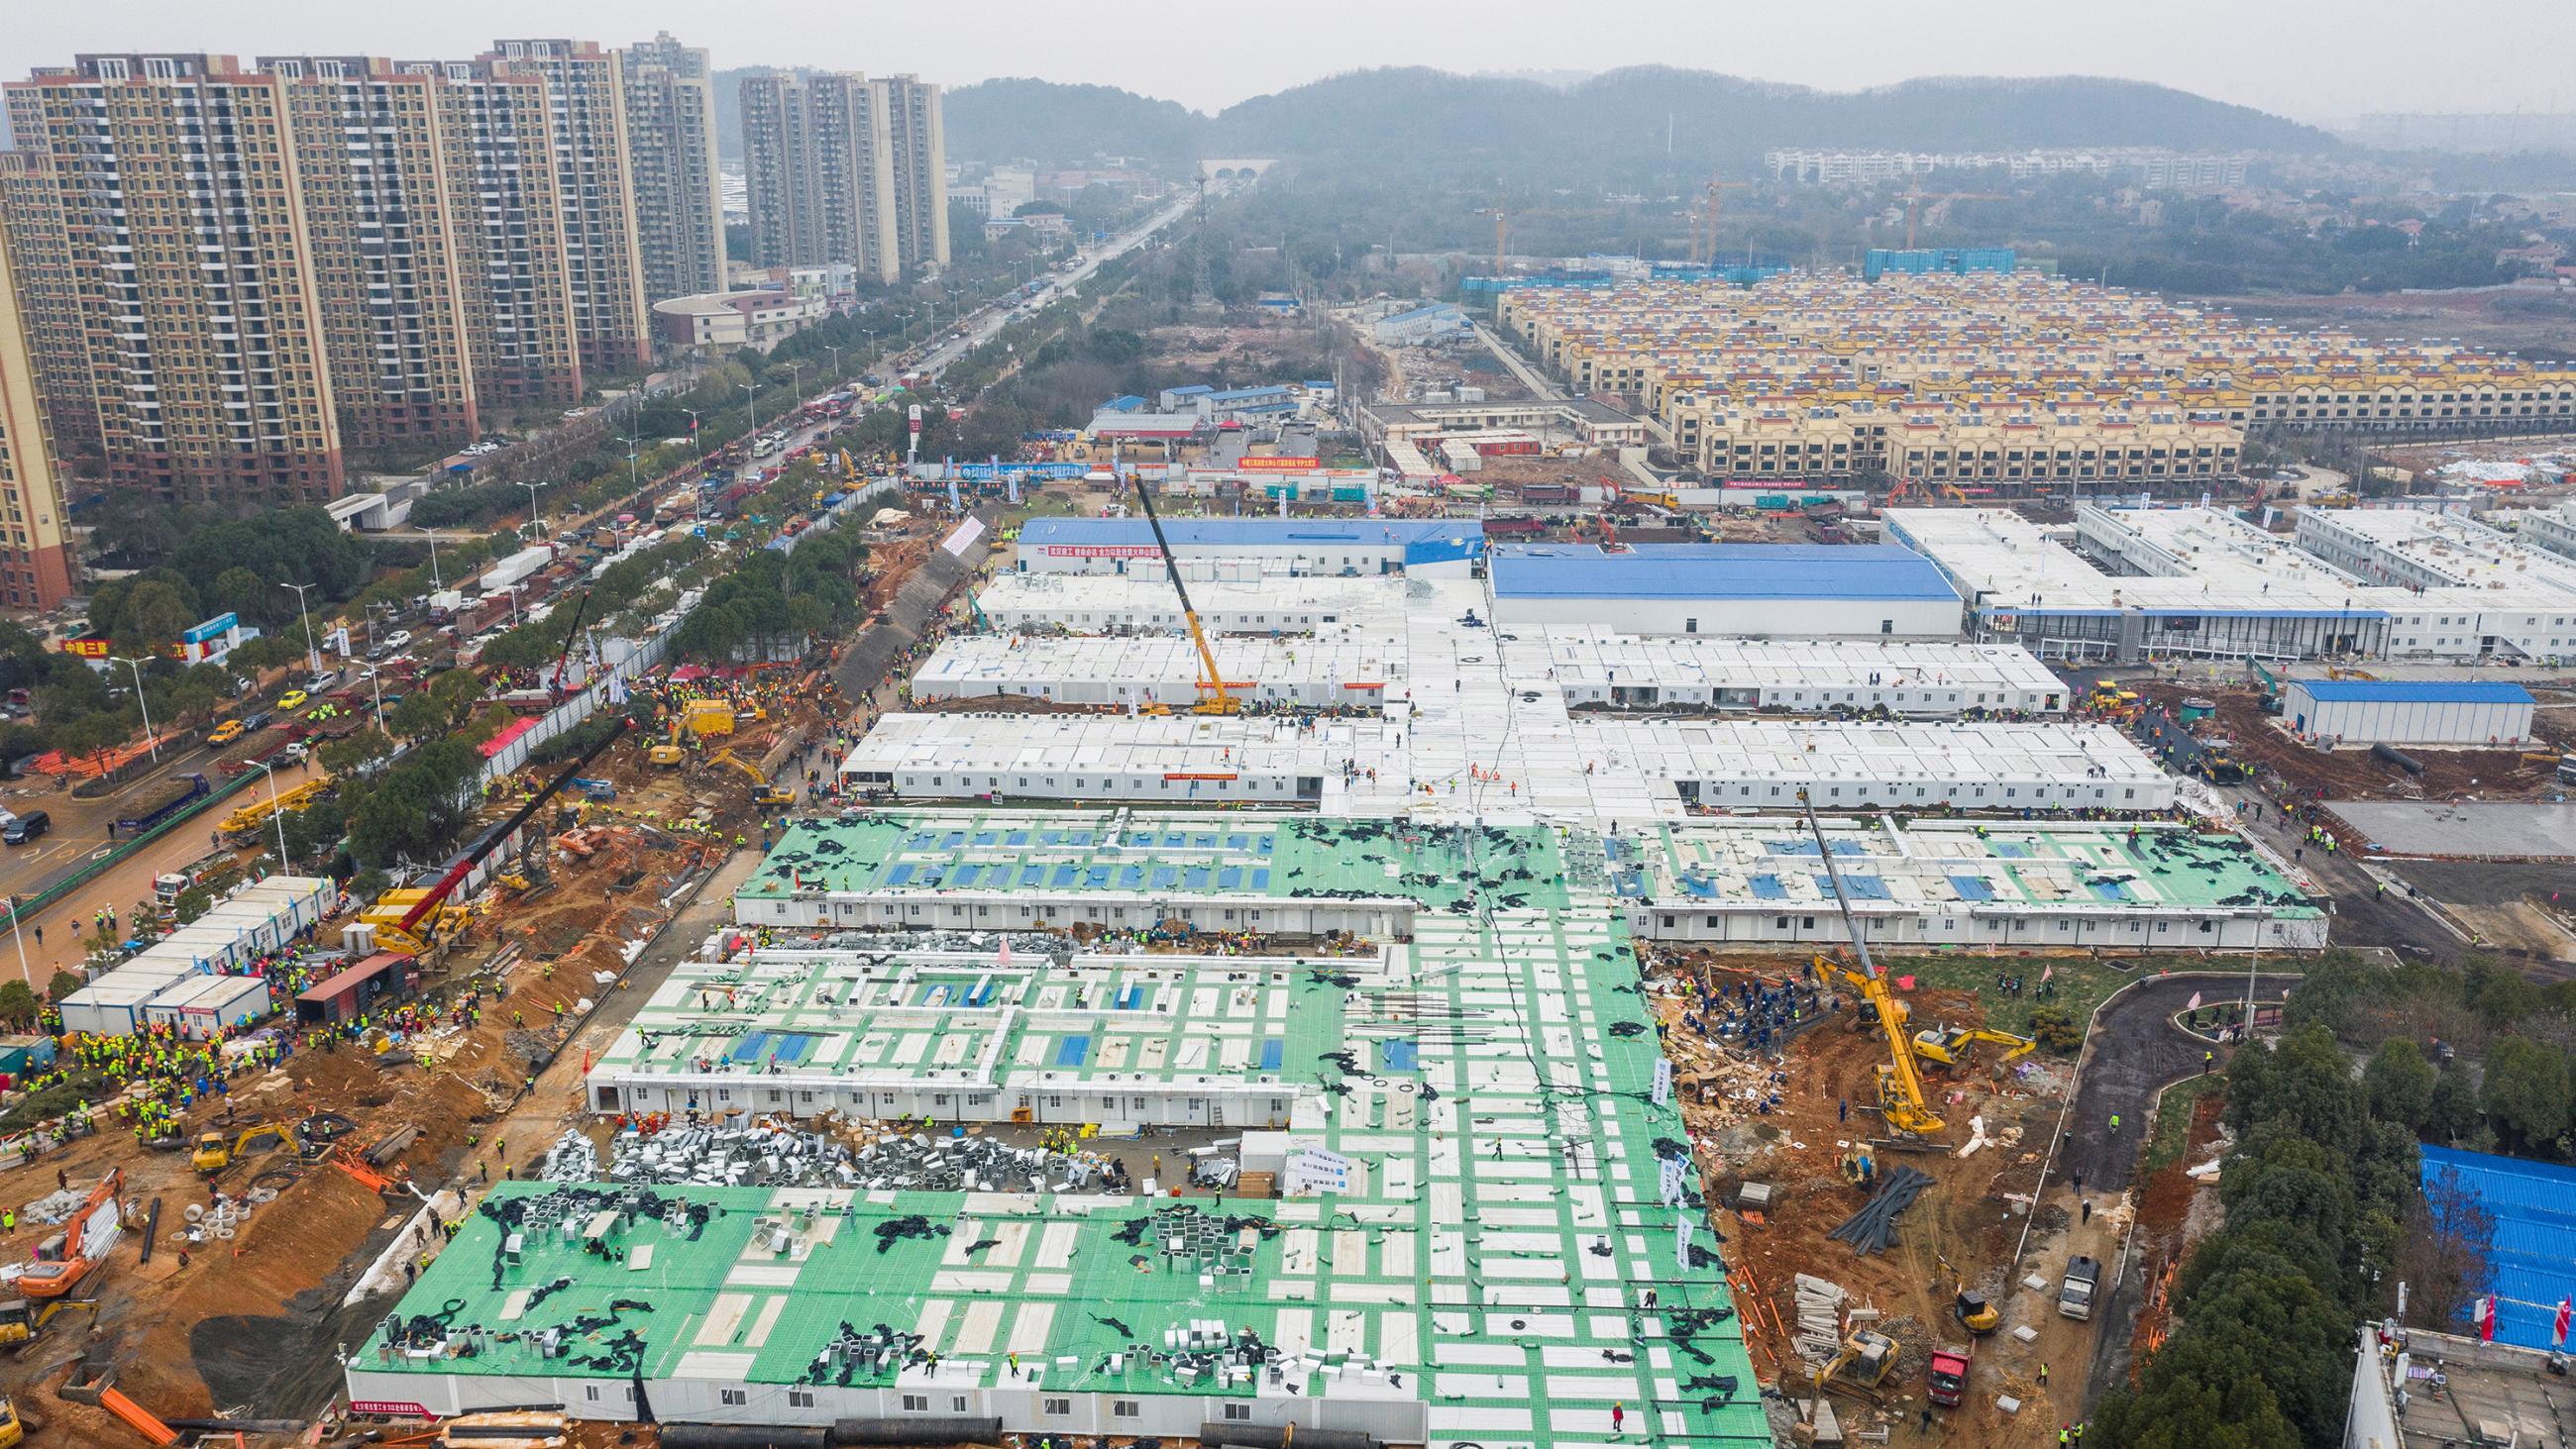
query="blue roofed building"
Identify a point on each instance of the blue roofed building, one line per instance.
(1780, 591)
(2531, 1259)
(1418, 325)
(2409, 711)
(1249, 549)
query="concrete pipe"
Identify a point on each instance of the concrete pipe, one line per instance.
(743, 1436)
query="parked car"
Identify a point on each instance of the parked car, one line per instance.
(25, 827)
(397, 639)
(227, 732)
(292, 700)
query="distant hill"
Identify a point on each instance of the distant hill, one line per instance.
(1620, 123)
(998, 120)
(1560, 130)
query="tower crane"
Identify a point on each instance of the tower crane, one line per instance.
(1707, 221)
(1901, 1102)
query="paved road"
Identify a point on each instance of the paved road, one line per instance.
(129, 881)
(1530, 377)
(2136, 1054)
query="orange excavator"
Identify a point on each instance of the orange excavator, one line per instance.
(64, 1260)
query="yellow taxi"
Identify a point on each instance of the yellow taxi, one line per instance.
(227, 732)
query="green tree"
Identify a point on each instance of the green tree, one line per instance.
(2527, 1091)
(157, 611)
(18, 1003)
(240, 591)
(2400, 1083)
(63, 984)
(2451, 1116)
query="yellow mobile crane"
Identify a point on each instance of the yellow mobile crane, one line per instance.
(1900, 1084)
(1213, 698)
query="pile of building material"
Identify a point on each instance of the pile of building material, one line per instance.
(1874, 1227)
(571, 1159)
(921, 1162)
(1820, 1319)
(728, 1157)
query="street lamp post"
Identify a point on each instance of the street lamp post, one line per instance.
(150, 741)
(836, 360)
(533, 521)
(514, 606)
(435, 581)
(269, 772)
(751, 404)
(26, 972)
(375, 683)
(312, 652)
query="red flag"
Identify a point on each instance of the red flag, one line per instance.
(2558, 1330)
(2045, 972)
(1006, 950)
(2483, 1314)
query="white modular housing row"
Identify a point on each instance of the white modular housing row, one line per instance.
(197, 977)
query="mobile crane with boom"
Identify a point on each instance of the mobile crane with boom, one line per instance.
(1213, 698)
(1901, 1102)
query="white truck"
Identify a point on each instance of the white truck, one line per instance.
(2083, 1280)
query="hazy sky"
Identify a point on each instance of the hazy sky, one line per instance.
(2319, 60)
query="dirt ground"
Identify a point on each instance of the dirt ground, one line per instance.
(2350, 774)
(1964, 1228)
(251, 1324)
(2174, 1212)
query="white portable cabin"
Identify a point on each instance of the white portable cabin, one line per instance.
(114, 1004)
(201, 1008)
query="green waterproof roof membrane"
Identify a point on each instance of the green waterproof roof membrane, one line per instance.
(1494, 1252)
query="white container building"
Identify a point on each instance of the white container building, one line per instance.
(2408, 712)
(204, 1007)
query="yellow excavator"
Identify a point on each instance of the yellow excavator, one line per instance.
(1861, 1367)
(215, 1152)
(1212, 696)
(1901, 1102)
(24, 1322)
(1951, 1046)
(762, 792)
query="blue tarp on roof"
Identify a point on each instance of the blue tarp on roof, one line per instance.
(2414, 691)
(2531, 1259)
(1717, 571)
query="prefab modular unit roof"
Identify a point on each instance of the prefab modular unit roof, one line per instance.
(1123, 1042)
(2134, 885)
(1474, 1123)
(1116, 603)
(2200, 582)
(1763, 764)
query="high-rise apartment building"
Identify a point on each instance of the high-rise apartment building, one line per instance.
(49, 301)
(844, 169)
(919, 150)
(183, 225)
(35, 568)
(671, 155)
(379, 216)
(586, 113)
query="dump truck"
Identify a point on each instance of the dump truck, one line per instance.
(163, 802)
(1949, 1375)
(2075, 1295)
